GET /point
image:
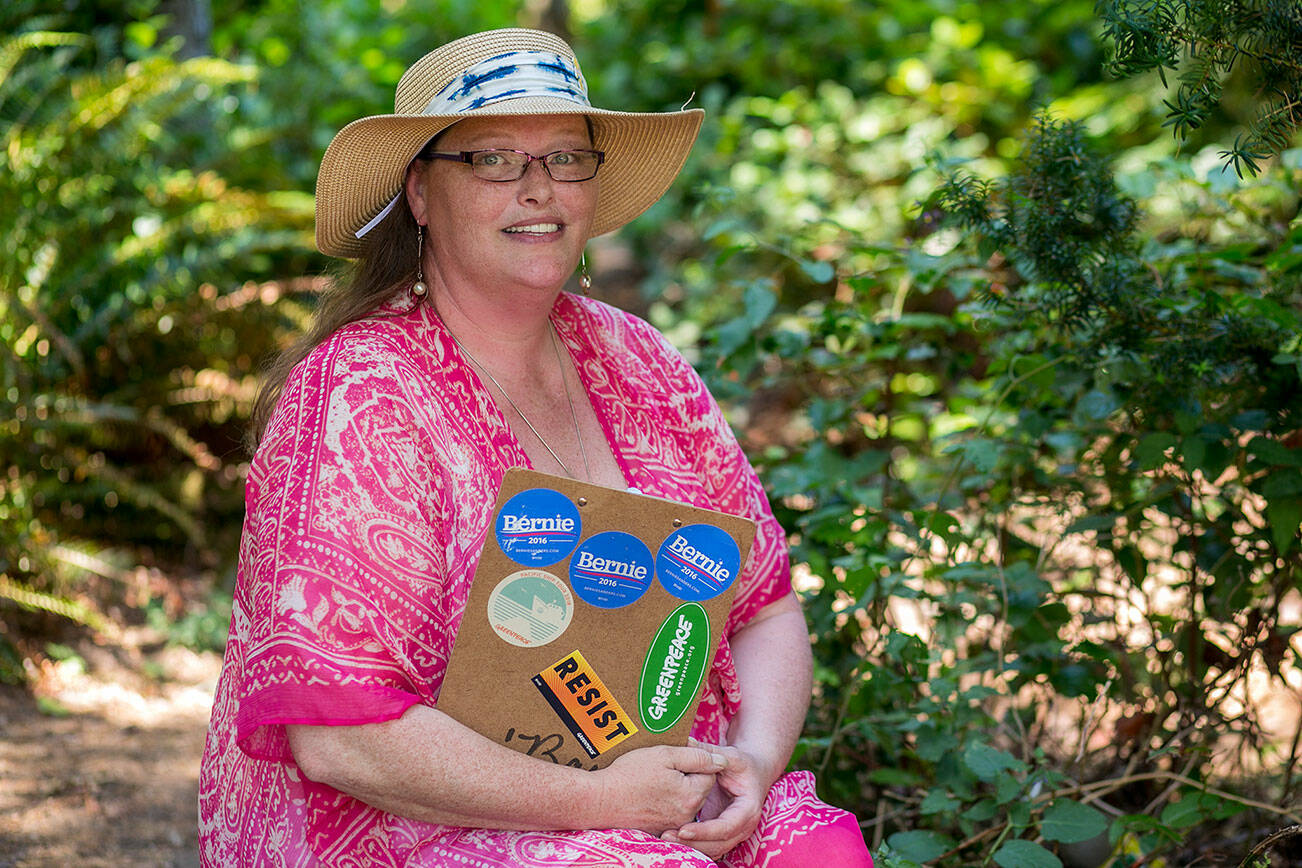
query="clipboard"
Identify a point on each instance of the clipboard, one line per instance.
(593, 619)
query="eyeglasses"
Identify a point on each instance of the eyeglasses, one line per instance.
(508, 164)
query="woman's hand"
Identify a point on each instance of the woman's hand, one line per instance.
(660, 788)
(774, 667)
(731, 811)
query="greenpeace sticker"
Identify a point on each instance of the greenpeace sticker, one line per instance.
(674, 667)
(611, 569)
(538, 527)
(698, 562)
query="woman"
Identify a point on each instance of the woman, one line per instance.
(452, 356)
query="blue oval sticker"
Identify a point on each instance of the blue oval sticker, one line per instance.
(538, 527)
(611, 569)
(698, 562)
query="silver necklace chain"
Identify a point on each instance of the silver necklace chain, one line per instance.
(565, 381)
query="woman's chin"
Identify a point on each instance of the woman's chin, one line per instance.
(548, 280)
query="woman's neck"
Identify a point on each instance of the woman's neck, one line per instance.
(511, 338)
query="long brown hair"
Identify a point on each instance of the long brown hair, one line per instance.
(388, 262)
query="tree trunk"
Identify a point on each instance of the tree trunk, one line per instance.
(550, 15)
(192, 21)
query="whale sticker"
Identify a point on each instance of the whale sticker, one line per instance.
(530, 608)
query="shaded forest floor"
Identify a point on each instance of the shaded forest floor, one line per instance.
(99, 765)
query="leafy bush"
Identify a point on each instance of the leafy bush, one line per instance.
(1045, 485)
(130, 335)
(1205, 42)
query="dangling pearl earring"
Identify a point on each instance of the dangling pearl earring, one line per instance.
(418, 289)
(585, 279)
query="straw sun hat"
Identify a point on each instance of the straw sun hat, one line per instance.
(504, 73)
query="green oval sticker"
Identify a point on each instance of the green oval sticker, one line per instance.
(674, 667)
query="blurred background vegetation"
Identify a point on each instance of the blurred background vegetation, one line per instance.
(1003, 299)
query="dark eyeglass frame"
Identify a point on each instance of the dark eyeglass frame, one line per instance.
(468, 157)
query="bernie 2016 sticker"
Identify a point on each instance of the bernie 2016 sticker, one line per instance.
(584, 704)
(674, 666)
(698, 562)
(538, 527)
(530, 608)
(611, 569)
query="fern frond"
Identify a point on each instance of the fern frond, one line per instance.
(13, 48)
(142, 494)
(101, 100)
(65, 410)
(65, 607)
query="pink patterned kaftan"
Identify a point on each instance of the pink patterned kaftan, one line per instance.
(367, 505)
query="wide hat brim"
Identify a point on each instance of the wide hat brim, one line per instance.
(365, 165)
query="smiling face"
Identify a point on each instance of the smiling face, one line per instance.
(491, 236)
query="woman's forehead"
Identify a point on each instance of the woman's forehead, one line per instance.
(503, 130)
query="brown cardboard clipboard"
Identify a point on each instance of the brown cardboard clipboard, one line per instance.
(580, 659)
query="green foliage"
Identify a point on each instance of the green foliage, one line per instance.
(130, 344)
(159, 220)
(1205, 40)
(823, 93)
(322, 70)
(987, 450)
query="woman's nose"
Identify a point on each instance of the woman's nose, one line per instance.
(535, 183)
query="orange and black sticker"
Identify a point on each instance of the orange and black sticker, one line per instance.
(584, 704)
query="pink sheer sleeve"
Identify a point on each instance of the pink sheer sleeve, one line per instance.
(344, 571)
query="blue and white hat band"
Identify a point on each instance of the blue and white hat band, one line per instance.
(512, 75)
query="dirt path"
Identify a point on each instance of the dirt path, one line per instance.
(102, 769)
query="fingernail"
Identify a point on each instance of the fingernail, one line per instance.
(719, 759)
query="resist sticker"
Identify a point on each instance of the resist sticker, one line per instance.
(584, 704)
(698, 562)
(530, 608)
(611, 569)
(538, 527)
(674, 667)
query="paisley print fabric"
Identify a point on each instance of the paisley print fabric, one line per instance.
(367, 504)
